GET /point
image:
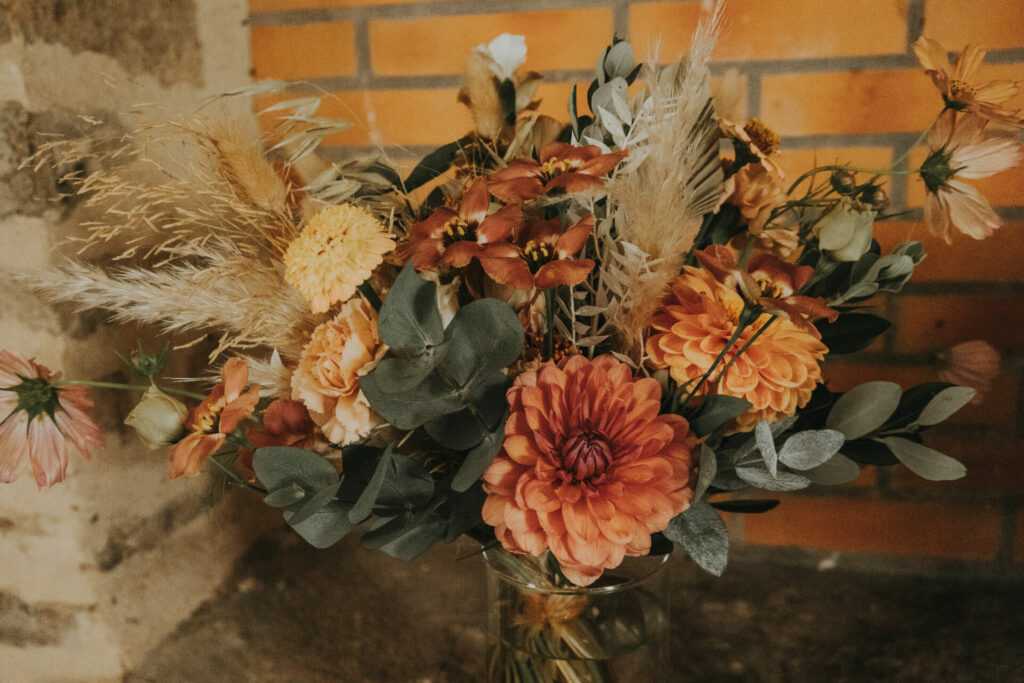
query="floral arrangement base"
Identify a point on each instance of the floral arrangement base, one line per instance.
(542, 628)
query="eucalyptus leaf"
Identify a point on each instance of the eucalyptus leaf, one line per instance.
(869, 452)
(701, 531)
(417, 538)
(484, 336)
(944, 404)
(457, 431)
(708, 470)
(410, 408)
(303, 510)
(619, 60)
(324, 527)
(716, 411)
(811, 448)
(364, 504)
(745, 506)
(836, 470)
(409, 319)
(605, 95)
(283, 497)
(279, 467)
(923, 461)
(781, 481)
(479, 458)
(407, 485)
(766, 444)
(864, 409)
(396, 375)
(779, 427)
(851, 331)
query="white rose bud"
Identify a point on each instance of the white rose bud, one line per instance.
(158, 418)
(845, 232)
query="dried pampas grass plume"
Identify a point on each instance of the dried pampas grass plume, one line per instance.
(670, 180)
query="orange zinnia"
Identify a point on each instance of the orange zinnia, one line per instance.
(589, 468)
(542, 258)
(561, 167)
(778, 371)
(453, 238)
(211, 421)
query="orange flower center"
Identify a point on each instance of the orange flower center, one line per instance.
(458, 230)
(763, 137)
(206, 419)
(537, 254)
(960, 96)
(586, 456)
(554, 167)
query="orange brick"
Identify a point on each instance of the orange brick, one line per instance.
(303, 50)
(999, 406)
(394, 117)
(989, 23)
(796, 162)
(440, 45)
(1001, 189)
(937, 322)
(996, 259)
(893, 527)
(850, 102)
(283, 5)
(993, 462)
(774, 29)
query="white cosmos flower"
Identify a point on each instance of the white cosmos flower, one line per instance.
(959, 149)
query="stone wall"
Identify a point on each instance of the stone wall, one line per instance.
(95, 571)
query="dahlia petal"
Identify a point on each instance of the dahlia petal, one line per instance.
(579, 574)
(519, 448)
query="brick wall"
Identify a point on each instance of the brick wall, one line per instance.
(839, 82)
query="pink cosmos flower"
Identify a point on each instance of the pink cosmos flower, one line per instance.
(37, 417)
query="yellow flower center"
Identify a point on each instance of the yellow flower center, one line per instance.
(537, 254)
(961, 95)
(205, 420)
(458, 230)
(762, 136)
(553, 167)
(771, 288)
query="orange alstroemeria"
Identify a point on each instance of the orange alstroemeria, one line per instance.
(543, 256)
(211, 421)
(768, 283)
(453, 238)
(285, 423)
(561, 167)
(957, 83)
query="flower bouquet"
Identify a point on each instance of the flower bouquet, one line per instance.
(573, 342)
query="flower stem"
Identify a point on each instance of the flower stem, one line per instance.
(549, 333)
(129, 387)
(918, 141)
(746, 344)
(741, 325)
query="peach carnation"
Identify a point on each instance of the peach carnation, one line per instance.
(327, 379)
(588, 469)
(778, 371)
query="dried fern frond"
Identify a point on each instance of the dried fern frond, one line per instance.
(247, 303)
(660, 194)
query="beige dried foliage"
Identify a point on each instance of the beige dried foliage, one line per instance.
(671, 179)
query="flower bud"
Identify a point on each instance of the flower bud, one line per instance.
(845, 231)
(158, 419)
(876, 197)
(844, 182)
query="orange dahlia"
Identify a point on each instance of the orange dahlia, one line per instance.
(588, 469)
(777, 372)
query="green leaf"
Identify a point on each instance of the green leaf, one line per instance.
(766, 444)
(864, 409)
(408, 409)
(944, 404)
(396, 375)
(323, 528)
(479, 458)
(434, 164)
(717, 410)
(701, 531)
(913, 402)
(303, 510)
(869, 452)
(851, 331)
(409, 319)
(457, 431)
(483, 337)
(464, 511)
(781, 481)
(283, 497)
(923, 461)
(364, 504)
(278, 467)
(708, 470)
(745, 506)
(406, 484)
(417, 538)
(811, 448)
(618, 62)
(836, 470)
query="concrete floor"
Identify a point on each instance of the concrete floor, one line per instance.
(293, 613)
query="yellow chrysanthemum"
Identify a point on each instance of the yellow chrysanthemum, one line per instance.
(335, 253)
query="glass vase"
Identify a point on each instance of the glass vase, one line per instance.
(543, 629)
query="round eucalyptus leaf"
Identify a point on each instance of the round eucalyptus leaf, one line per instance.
(923, 461)
(944, 404)
(836, 470)
(864, 408)
(808, 449)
